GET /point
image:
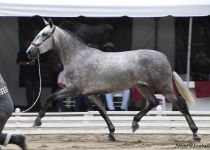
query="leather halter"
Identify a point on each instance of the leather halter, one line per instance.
(37, 45)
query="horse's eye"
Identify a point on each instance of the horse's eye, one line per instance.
(44, 34)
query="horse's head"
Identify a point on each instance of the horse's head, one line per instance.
(43, 42)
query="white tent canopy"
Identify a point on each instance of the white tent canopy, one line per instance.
(105, 8)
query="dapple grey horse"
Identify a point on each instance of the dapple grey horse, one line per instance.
(89, 71)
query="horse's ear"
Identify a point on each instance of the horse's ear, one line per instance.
(50, 22)
(45, 22)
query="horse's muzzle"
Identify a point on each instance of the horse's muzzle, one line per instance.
(32, 52)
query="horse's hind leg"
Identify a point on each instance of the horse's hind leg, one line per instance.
(97, 101)
(55, 96)
(151, 102)
(181, 105)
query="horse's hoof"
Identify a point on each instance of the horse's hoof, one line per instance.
(37, 123)
(197, 138)
(111, 137)
(135, 126)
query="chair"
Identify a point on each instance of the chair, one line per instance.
(162, 101)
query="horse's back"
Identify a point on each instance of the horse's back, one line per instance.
(149, 62)
(132, 59)
(142, 56)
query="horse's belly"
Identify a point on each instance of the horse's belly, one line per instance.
(103, 86)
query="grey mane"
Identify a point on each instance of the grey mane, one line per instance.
(73, 34)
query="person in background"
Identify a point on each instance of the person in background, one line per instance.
(61, 85)
(124, 104)
(55, 67)
(82, 103)
(109, 47)
(29, 76)
(6, 109)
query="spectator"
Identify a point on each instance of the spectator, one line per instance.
(137, 99)
(6, 109)
(61, 85)
(83, 103)
(124, 104)
(109, 47)
(29, 76)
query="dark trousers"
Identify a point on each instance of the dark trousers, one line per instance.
(32, 91)
(82, 103)
(60, 105)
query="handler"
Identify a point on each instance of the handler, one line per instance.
(6, 109)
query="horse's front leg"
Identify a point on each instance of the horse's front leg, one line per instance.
(97, 101)
(54, 96)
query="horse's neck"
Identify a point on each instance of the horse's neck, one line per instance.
(66, 45)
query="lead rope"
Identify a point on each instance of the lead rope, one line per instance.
(40, 88)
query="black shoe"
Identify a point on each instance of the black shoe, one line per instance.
(19, 140)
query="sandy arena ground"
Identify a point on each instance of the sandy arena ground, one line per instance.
(124, 142)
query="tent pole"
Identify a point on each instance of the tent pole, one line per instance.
(156, 33)
(189, 50)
